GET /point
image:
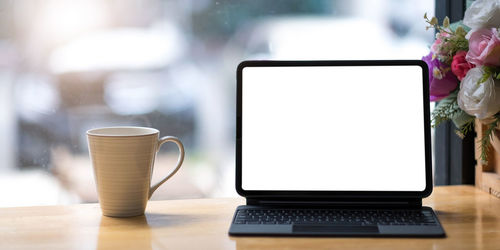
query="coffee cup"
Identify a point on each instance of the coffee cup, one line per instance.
(123, 160)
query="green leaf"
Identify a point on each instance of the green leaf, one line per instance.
(485, 141)
(487, 74)
(454, 26)
(461, 118)
(446, 109)
(446, 22)
(460, 31)
(434, 21)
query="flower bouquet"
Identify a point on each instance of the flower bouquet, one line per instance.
(464, 70)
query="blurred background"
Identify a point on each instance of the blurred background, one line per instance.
(70, 65)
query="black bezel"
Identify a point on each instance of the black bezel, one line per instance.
(334, 194)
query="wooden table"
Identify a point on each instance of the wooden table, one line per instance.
(470, 217)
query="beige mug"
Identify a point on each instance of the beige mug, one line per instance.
(123, 159)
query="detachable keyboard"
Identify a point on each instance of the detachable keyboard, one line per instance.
(334, 216)
(255, 220)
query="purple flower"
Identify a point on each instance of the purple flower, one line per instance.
(441, 79)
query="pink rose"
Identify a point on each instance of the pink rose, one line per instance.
(484, 47)
(459, 66)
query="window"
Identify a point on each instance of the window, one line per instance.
(68, 66)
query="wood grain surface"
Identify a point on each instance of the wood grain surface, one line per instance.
(487, 173)
(470, 217)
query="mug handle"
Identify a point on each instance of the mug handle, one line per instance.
(179, 160)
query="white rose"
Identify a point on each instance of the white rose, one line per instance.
(483, 14)
(479, 100)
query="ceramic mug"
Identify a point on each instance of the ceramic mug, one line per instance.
(123, 159)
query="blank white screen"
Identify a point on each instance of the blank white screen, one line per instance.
(334, 128)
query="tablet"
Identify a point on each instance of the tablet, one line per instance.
(333, 129)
